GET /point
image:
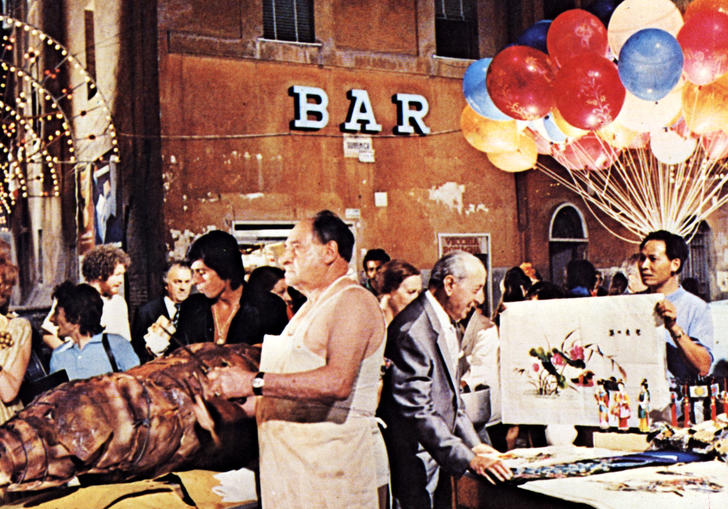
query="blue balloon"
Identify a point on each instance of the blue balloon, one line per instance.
(535, 35)
(650, 63)
(546, 127)
(553, 130)
(476, 94)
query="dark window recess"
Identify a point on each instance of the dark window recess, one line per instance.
(456, 29)
(698, 264)
(288, 20)
(88, 32)
(567, 225)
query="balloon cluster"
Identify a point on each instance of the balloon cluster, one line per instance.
(595, 82)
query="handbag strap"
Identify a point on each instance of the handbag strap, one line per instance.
(109, 352)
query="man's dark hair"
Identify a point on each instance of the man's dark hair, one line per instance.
(580, 273)
(377, 254)
(618, 284)
(81, 304)
(174, 263)
(675, 246)
(100, 262)
(545, 290)
(219, 251)
(328, 226)
(168, 266)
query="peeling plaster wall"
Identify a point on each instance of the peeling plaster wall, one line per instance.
(222, 87)
(435, 183)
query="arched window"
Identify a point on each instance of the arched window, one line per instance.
(568, 239)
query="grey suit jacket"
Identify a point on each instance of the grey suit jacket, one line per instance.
(421, 401)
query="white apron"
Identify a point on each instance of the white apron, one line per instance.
(314, 455)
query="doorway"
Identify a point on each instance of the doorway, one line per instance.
(568, 240)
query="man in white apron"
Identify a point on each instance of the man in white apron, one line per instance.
(319, 442)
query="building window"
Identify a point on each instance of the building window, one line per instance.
(456, 29)
(695, 276)
(568, 239)
(288, 20)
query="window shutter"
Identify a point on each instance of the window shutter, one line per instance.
(288, 20)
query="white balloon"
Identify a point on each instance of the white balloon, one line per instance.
(671, 148)
(643, 116)
(634, 15)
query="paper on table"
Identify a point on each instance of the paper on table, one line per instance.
(236, 486)
(698, 484)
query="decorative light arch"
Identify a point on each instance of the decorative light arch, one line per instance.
(43, 130)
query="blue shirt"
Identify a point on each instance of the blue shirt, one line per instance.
(693, 316)
(91, 360)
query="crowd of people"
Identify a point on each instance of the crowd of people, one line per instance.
(341, 356)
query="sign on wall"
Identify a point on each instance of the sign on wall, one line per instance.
(310, 112)
(474, 243)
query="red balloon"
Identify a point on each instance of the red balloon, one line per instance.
(715, 145)
(574, 32)
(701, 5)
(587, 153)
(588, 91)
(681, 127)
(519, 82)
(704, 41)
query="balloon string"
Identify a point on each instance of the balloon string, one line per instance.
(643, 194)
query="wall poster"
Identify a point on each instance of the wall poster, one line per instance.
(554, 352)
(99, 213)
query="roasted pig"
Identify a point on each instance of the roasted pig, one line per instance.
(147, 421)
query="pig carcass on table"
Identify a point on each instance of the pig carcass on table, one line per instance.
(141, 423)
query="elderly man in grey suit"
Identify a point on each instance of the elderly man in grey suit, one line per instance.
(429, 437)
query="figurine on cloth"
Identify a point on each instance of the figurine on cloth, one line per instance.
(643, 407)
(621, 408)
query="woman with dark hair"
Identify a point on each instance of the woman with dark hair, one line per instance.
(15, 341)
(397, 283)
(514, 286)
(221, 311)
(269, 279)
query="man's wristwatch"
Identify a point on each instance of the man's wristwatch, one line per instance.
(258, 383)
(680, 332)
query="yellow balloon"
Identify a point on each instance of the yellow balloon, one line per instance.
(569, 130)
(488, 135)
(705, 108)
(617, 135)
(634, 15)
(522, 159)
